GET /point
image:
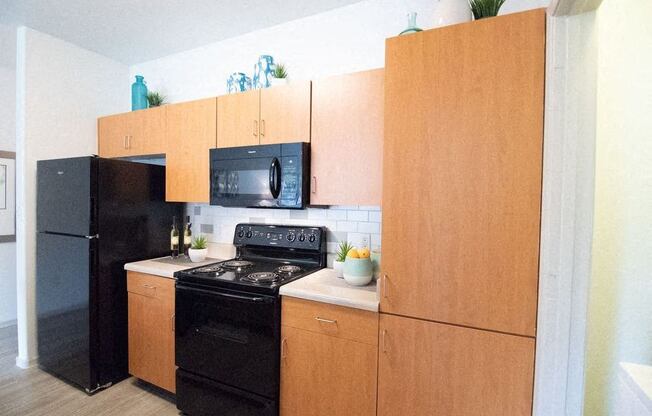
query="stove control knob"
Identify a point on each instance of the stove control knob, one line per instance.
(302, 237)
(240, 234)
(249, 234)
(292, 237)
(312, 238)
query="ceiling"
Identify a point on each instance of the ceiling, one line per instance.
(133, 31)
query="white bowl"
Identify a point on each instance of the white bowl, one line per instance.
(357, 280)
(197, 255)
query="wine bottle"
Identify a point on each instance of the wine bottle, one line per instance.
(187, 236)
(174, 238)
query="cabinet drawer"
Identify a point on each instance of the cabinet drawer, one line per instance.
(150, 285)
(353, 324)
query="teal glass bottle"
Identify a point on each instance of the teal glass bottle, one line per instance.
(139, 94)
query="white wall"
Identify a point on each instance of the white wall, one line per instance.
(620, 314)
(61, 90)
(346, 39)
(7, 143)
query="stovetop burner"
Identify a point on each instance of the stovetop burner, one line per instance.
(288, 268)
(261, 277)
(209, 269)
(237, 263)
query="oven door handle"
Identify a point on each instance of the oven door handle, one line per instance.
(253, 299)
(275, 178)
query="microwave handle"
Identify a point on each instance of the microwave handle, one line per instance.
(275, 178)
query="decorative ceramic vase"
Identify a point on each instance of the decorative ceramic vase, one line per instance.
(450, 12)
(278, 81)
(263, 72)
(358, 272)
(139, 94)
(238, 82)
(197, 255)
(338, 266)
(412, 24)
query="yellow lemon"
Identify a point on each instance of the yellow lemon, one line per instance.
(364, 253)
(353, 253)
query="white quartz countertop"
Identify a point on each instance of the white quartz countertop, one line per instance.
(324, 286)
(165, 266)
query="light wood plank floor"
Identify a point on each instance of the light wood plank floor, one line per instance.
(33, 392)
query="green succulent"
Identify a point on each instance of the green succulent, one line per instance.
(155, 99)
(280, 71)
(198, 243)
(343, 250)
(485, 8)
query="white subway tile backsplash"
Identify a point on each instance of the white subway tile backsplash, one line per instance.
(357, 215)
(369, 227)
(358, 225)
(348, 226)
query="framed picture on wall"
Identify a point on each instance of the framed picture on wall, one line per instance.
(7, 196)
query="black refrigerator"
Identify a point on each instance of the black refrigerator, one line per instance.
(93, 216)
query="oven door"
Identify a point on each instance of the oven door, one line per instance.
(230, 337)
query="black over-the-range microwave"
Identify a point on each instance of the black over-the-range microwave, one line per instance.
(264, 176)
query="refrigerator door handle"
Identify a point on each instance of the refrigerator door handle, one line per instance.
(92, 237)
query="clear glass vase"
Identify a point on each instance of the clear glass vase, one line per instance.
(412, 24)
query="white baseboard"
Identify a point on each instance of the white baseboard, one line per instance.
(5, 324)
(25, 363)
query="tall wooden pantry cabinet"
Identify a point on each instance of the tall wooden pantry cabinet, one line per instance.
(462, 172)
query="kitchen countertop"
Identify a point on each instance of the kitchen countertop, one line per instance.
(165, 266)
(324, 286)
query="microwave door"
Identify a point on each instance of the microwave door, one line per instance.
(251, 182)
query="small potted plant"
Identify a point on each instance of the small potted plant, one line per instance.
(342, 251)
(279, 75)
(485, 8)
(155, 99)
(198, 251)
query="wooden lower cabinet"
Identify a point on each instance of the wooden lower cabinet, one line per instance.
(428, 368)
(328, 374)
(151, 329)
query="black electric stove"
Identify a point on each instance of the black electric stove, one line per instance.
(228, 320)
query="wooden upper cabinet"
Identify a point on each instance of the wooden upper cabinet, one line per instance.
(285, 113)
(191, 134)
(462, 173)
(112, 135)
(347, 139)
(135, 133)
(238, 119)
(427, 368)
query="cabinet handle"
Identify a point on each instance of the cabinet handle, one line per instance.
(129, 142)
(328, 321)
(385, 283)
(383, 341)
(262, 128)
(146, 286)
(256, 128)
(172, 319)
(313, 187)
(124, 142)
(284, 344)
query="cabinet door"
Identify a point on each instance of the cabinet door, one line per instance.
(325, 375)
(151, 333)
(462, 173)
(191, 134)
(347, 139)
(112, 132)
(148, 132)
(285, 113)
(426, 368)
(237, 119)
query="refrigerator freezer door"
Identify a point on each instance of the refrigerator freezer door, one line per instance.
(65, 200)
(64, 282)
